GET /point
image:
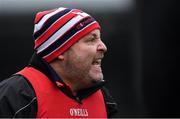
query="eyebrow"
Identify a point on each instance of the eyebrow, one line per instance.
(94, 35)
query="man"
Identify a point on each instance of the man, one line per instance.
(64, 77)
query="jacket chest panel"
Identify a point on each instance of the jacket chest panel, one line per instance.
(59, 105)
(54, 103)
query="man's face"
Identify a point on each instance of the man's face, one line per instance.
(83, 59)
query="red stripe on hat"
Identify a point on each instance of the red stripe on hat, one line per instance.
(71, 41)
(58, 24)
(41, 14)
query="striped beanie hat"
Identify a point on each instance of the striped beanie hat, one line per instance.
(57, 30)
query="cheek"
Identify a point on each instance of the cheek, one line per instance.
(83, 55)
(83, 59)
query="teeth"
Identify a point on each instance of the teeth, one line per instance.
(97, 62)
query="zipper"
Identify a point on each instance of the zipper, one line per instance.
(78, 99)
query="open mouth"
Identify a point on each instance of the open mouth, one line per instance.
(97, 62)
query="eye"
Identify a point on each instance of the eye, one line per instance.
(91, 39)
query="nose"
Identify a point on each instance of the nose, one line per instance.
(101, 46)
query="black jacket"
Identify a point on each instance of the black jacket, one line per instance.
(18, 99)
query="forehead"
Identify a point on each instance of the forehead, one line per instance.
(94, 33)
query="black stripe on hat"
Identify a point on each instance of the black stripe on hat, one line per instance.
(56, 31)
(49, 22)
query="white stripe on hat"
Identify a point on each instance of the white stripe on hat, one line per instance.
(44, 19)
(52, 25)
(61, 32)
(69, 39)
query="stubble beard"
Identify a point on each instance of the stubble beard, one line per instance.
(83, 76)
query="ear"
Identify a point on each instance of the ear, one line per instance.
(61, 57)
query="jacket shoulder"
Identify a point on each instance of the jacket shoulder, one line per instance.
(17, 98)
(111, 105)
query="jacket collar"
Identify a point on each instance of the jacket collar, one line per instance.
(39, 63)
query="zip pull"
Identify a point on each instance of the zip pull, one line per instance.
(78, 100)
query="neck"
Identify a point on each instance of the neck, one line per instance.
(73, 84)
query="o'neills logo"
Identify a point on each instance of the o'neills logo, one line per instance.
(78, 112)
(87, 21)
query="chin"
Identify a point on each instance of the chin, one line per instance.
(97, 78)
